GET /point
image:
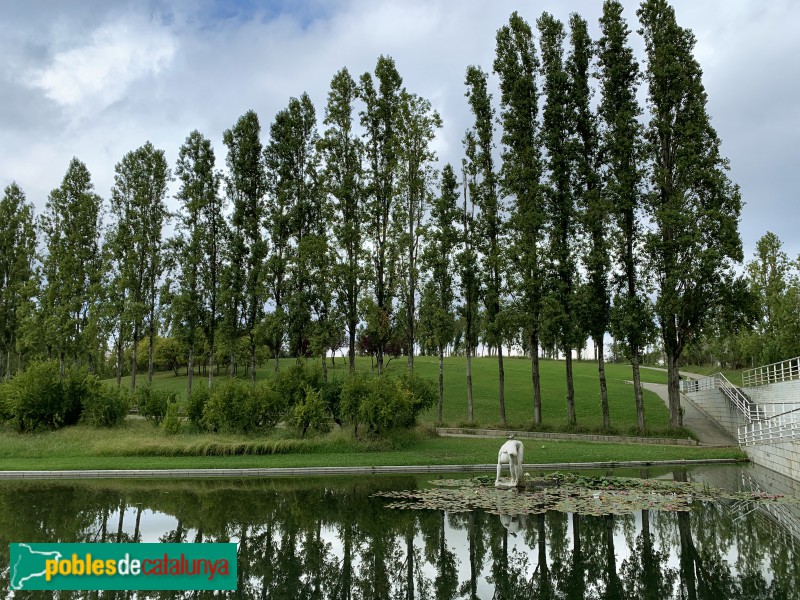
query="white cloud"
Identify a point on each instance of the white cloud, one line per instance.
(97, 74)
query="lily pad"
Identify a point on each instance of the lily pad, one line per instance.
(568, 492)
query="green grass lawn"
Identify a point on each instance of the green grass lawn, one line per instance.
(138, 445)
(518, 391)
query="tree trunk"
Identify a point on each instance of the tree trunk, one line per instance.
(211, 365)
(470, 418)
(150, 349)
(119, 361)
(191, 372)
(351, 349)
(441, 384)
(252, 357)
(601, 371)
(502, 380)
(571, 419)
(637, 389)
(324, 368)
(536, 378)
(379, 359)
(674, 392)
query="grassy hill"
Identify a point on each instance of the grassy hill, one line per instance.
(519, 395)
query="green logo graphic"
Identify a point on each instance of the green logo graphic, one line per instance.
(122, 566)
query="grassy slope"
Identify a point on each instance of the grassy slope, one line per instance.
(139, 445)
(518, 390)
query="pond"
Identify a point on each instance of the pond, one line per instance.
(334, 538)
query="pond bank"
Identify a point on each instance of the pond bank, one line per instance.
(320, 471)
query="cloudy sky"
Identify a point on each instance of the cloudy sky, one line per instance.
(96, 79)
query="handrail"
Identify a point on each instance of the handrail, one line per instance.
(737, 397)
(760, 427)
(785, 370)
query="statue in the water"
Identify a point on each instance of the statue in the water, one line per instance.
(510, 454)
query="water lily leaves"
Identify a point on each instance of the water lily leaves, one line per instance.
(569, 493)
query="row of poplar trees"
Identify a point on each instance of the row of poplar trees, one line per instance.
(598, 217)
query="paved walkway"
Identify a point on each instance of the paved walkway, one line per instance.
(707, 430)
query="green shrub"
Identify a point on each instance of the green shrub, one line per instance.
(153, 403)
(385, 402)
(108, 408)
(355, 390)
(172, 422)
(79, 387)
(37, 398)
(424, 393)
(331, 394)
(6, 407)
(267, 406)
(388, 405)
(311, 412)
(196, 403)
(291, 383)
(228, 408)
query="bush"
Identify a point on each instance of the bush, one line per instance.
(331, 394)
(385, 402)
(108, 408)
(6, 410)
(388, 405)
(424, 393)
(355, 390)
(153, 403)
(267, 406)
(311, 412)
(172, 423)
(237, 407)
(291, 383)
(197, 402)
(39, 397)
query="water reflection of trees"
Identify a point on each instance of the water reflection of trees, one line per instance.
(329, 539)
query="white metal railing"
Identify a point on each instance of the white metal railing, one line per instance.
(766, 423)
(779, 428)
(739, 399)
(786, 370)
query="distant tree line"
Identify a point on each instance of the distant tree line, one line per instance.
(597, 216)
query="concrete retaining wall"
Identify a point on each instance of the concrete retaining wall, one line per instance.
(786, 394)
(784, 457)
(714, 403)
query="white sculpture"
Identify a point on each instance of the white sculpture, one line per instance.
(511, 455)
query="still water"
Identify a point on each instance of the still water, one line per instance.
(331, 538)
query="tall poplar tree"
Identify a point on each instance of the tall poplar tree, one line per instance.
(439, 259)
(296, 193)
(593, 205)
(343, 151)
(72, 267)
(200, 229)
(557, 132)
(17, 255)
(138, 201)
(693, 205)
(418, 125)
(489, 223)
(620, 142)
(248, 248)
(467, 261)
(516, 64)
(381, 118)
